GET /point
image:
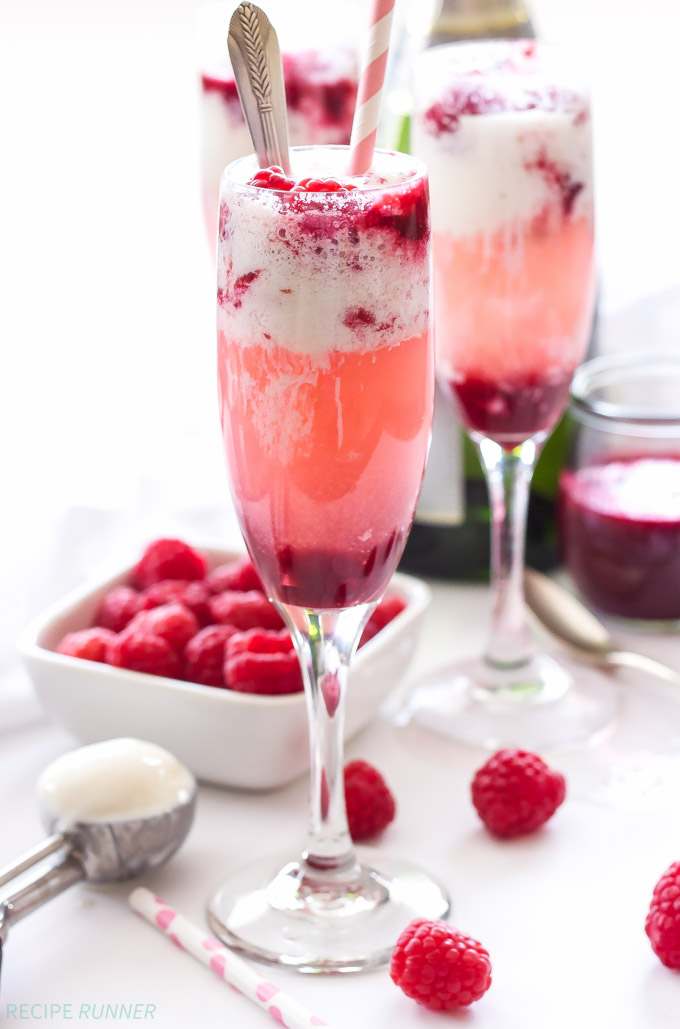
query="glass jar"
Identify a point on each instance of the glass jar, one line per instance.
(619, 513)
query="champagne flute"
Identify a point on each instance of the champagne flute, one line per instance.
(326, 389)
(505, 130)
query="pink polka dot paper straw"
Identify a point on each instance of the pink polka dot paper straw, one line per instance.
(365, 124)
(233, 970)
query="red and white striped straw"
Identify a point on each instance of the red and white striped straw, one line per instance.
(365, 124)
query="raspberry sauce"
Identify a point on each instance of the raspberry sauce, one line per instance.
(511, 412)
(329, 579)
(620, 534)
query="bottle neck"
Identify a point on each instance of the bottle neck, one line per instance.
(478, 19)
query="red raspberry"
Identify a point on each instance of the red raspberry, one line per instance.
(663, 919)
(261, 661)
(515, 792)
(235, 575)
(440, 967)
(118, 607)
(370, 805)
(204, 655)
(168, 559)
(143, 652)
(273, 177)
(329, 185)
(193, 595)
(88, 644)
(387, 609)
(249, 610)
(172, 622)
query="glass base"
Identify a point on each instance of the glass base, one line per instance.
(543, 704)
(636, 767)
(280, 912)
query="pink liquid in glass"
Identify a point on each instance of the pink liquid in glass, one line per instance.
(509, 154)
(620, 533)
(326, 376)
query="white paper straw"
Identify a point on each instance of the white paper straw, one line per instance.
(283, 1008)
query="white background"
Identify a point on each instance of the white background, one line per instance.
(109, 436)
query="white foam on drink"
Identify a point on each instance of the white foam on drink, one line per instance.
(337, 289)
(484, 175)
(497, 168)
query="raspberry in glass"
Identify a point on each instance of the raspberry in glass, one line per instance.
(262, 661)
(88, 644)
(369, 801)
(168, 559)
(515, 793)
(118, 607)
(663, 919)
(245, 610)
(315, 185)
(204, 655)
(273, 177)
(440, 967)
(141, 651)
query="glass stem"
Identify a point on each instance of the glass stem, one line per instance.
(508, 475)
(325, 642)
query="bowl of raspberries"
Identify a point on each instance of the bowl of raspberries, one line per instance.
(183, 648)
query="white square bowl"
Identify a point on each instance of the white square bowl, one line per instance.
(234, 739)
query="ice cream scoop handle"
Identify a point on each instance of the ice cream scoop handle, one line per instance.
(32, 857)
(36, 893)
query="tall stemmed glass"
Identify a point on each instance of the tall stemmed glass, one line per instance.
(505, 130)
(326, 386)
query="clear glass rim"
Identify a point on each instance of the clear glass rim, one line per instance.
(617, 367)
(419, 172)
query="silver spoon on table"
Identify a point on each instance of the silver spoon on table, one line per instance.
(576, 628)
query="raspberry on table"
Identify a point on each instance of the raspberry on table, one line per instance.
(174, 623)
(88, 644)
(204, 655)
(262, 661)
(440, 967)
(168, 559)
(662, 924)
(370, 804)
(240, 574)
(118, 607)
(272, 177)
(515, 793)
(192, 595)
(245, 610)
(141, 651)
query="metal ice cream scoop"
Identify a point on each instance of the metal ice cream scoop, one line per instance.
(96, 850)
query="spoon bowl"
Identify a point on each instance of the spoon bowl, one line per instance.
(580, 631)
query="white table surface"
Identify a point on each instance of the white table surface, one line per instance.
(561, 913)
(110, 437)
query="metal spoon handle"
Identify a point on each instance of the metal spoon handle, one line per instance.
(256, 60)
(644, 664)
(32, 857)
(51, 883)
